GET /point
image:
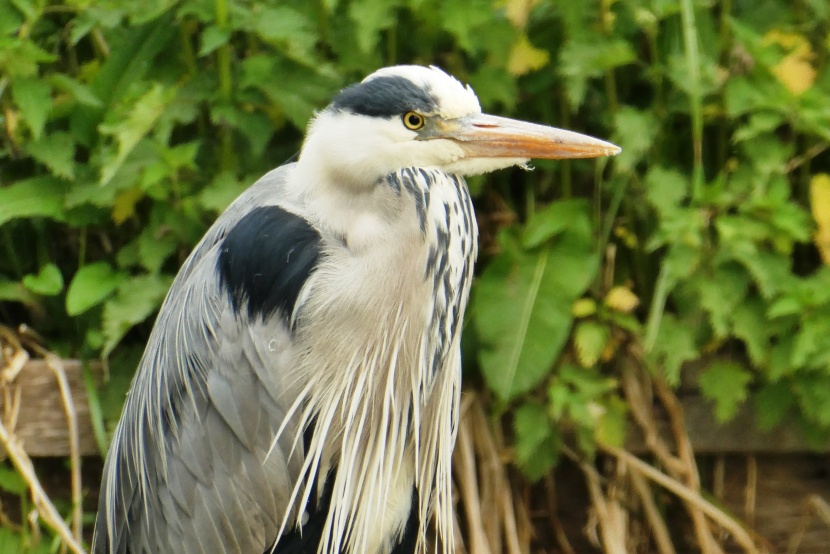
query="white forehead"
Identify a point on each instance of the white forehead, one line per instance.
(454, 99)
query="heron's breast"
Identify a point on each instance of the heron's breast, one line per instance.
(404, 268)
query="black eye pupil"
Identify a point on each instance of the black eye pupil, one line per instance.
(414, 120)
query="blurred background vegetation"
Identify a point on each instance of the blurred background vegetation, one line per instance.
(126, 126)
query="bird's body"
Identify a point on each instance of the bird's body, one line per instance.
(300, 389)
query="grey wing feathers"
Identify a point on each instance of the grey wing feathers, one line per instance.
(189, 469)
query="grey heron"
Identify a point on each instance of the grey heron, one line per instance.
(299, 391)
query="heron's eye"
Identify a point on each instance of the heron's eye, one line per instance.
(413, 120)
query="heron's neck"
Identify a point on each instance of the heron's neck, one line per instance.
(383, 387)
(366, 214)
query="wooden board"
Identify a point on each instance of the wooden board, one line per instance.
(780, 488)
(777, 496)
(739, 435)
(41, 421)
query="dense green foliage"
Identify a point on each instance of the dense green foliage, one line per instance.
(127, 126)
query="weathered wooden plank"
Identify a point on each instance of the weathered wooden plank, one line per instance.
(781, 488)
(41, 421)
(739, 436)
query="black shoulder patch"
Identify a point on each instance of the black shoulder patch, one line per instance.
(385, 97)
(266, 259)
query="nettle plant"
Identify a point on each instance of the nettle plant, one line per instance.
(128, 125)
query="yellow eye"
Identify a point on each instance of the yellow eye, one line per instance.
(413, 120)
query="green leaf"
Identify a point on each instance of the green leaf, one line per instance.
(522, 308)
(147, 12)
(590, 338)
(35, 197)
(812, 339)
(537, 441)
(466, 21)
(256, 127)
(750, 325)
(742, 95)
(21, 58)
(579, 61)
(57, 152)
(494, 86)
(675, 345)
(212, 38)
(525, 57)
(552, 220)
(587, 383)
(80, 92)
(154, 248)
(720, 293)
(47, 282)
(34, 98)
(221, 191)
(136, 300)
(813, 394)
(784, 306)
(134, 50)
(11, 481)
(132, 58)
(759, 123)
(369, 18)
(637, 130)
(666, 189)
(772, 404)
(725, 383)
(92, 284)
(769, 270)
(129, 131)
(780, 359)
(14, 292)
(612, 424)
(288, 29)
(10, 19)
(11, 541)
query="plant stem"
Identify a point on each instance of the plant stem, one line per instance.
(82, 238)
(225, 85)
(323, 26)
(565, 166)
(693, 64)
(13, 258)
(185, 39)
(724, 46)
(655, 312)
(606, 17)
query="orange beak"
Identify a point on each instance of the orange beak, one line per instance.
(490, 136)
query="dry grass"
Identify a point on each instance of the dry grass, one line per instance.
(14, 353)
(627, 498)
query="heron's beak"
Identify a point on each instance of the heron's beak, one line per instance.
(490, 136)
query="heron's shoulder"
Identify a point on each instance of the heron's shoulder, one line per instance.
(266, 258)
(270, 189)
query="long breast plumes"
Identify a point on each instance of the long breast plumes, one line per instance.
(378, 373)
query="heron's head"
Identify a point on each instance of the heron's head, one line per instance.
(413, 116)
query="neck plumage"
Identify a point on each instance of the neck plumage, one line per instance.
(380, 373)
